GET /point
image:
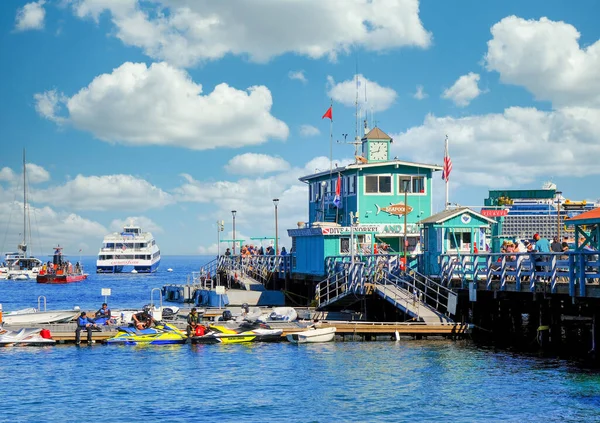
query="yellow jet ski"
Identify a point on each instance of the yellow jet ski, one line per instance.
(245, 332)
(161, 334)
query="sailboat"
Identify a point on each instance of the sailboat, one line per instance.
(17, 265)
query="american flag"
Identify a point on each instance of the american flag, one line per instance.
(447, 164)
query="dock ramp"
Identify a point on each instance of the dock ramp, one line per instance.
(414, 294)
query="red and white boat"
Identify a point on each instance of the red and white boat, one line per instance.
(60, 270)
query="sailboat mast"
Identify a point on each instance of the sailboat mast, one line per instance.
(24, 208)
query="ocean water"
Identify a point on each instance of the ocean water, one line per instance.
(405, 381)
(127, 290)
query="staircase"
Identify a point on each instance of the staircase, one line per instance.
(410, 295)
(419, 297)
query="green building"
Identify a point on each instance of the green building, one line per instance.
(376, 196)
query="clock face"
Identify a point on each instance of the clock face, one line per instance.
(378, 150)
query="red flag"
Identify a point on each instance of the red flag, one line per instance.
(447, 164)
(328, 113)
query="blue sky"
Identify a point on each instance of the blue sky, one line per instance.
(172, 113)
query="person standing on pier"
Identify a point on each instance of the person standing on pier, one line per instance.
(542, 247)
(556, 246)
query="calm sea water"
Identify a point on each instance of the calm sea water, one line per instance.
(404, 381)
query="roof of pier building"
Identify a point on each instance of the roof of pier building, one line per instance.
(449, 214)
(592, 216)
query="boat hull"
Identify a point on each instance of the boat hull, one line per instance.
(60, 279)
(23, 338)
(312, 336)
(161, 335)
(39, 317)
(225, 335)
(139, 268)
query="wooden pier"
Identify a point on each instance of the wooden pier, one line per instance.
(64, 333)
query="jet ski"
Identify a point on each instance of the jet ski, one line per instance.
(25, 337)
(245, 332)
(161, 334)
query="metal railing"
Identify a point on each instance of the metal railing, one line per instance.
(578, 269)
(348, 281)
(260, 268)
(393, 262)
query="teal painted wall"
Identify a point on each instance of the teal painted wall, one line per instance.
(367, 204)
(440, 238)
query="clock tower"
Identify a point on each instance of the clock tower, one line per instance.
(376, 146)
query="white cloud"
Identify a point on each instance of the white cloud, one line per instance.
(252, 198)
(49, 227)
(511, 148)
(544, 56)
(48, 105)
(186, 32)
(161, 105)
(420, 94)
(30, 16)
(298, 75)
(7, 174)
(378, 98)
(147, 224)
(109, 192)
(36, 173)
(309, 131)
(464, 90)
(256, 164)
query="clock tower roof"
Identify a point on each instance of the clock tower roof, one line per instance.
(377, 134)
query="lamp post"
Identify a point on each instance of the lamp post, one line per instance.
(405, 186)
(353, 221)
(220, 228)
(233, 212)
(276, 202)
(558, 195)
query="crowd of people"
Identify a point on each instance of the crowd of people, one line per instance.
(253, 250)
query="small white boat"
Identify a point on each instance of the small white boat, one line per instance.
(279, 314)
(24, 337)
(169, 270)
(31, 316)
(312, 336)
(134, 271)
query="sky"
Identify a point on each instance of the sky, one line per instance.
(172, 113)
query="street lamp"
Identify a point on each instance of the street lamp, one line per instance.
(353, 221)
(405, 187)
(220, 228)
(233, 212)
(276, 202)
(558, 195)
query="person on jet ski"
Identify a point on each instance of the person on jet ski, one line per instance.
(142, 320)
(193, 321)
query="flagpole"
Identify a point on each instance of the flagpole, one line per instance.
(447, 178)
(331, 142)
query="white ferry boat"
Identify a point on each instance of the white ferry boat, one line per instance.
(131, 248)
